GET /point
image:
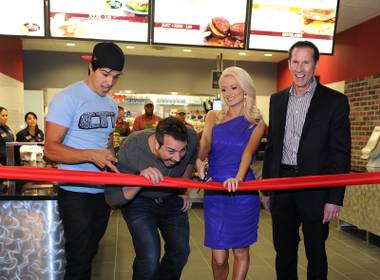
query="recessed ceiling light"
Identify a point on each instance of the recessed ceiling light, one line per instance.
(130, 47)
(242, 53)
(70, 44)
(187, 50)
(267, 54)
(174, 93)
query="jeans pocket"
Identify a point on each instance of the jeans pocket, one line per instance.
(175, 202)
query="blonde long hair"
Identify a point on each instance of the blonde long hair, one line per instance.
(250, 110)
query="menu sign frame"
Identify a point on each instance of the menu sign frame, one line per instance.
(292, 21)
(108, 20)
(30, 21)
(210, 28)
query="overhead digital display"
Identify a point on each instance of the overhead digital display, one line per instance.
(218, 23)
(119, 20)
(26, 18)
(277, 24)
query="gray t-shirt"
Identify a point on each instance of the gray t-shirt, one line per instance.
(135, 155)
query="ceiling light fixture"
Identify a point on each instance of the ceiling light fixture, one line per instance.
(71, 44)
(242, 53)
(268, 54)
(187, 50)
(130, 47)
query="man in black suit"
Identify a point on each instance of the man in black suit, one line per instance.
(309, 134)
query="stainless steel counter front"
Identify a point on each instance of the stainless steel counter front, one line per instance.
(31, 238)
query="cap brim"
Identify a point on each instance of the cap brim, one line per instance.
(86, 57)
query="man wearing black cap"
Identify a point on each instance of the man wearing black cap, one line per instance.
(80, 121)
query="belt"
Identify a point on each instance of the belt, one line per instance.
(287, 167)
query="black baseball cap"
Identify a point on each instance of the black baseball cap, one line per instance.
(107, 54)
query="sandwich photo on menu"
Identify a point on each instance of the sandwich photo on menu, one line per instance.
(211, 23)
(318, 21)
(219, 32)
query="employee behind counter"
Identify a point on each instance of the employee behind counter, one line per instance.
(122, 126)
(148, 119)
(6, 134)
(31, 133)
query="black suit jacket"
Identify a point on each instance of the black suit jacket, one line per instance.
(325, 144)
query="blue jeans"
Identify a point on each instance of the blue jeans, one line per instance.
(146, 217)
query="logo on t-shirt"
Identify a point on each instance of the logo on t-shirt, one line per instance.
(93, 120)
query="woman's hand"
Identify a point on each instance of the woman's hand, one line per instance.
(265, 201)
(186, 202)
(201, 168)
(231, 184)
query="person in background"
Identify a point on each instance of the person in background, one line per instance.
(230, 140)
(309, 134)
(168, 150)
(122, 126)
(80, 123)
(6, 135)
(181, 115)
(147, 120)
(31, 133)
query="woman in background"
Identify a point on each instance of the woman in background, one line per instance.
(6, 134)
(230, 139)
(31, 133)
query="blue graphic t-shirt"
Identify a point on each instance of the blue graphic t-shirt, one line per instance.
(90, 120)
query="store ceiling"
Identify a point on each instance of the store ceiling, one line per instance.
(351, 13)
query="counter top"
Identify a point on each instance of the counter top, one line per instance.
(12, 190)
(27, 197)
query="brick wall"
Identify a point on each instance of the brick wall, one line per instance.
(364, 97)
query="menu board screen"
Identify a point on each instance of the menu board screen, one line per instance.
(219, 23)
(26, 18)
(119, 20)
(277, 24)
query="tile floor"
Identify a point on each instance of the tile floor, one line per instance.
(350, 257)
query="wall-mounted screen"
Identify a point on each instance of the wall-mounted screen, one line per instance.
(23, 18)
(217, 23)
(119, 20)
(277, 24)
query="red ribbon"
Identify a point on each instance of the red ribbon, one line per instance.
(87, 177)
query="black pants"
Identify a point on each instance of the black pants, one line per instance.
(85, 218)
(290, 209)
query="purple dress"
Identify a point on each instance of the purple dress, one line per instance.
(231, 219)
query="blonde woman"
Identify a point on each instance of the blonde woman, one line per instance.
(230, 140)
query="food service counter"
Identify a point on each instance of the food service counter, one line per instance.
(361, 208)
(31, 233)
(361, 203)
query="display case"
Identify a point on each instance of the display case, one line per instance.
(31, 231)
(28, 154)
